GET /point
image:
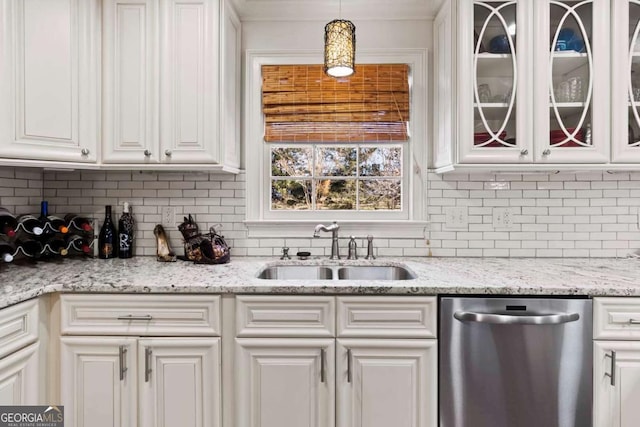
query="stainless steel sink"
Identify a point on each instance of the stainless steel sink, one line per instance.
(296, 272)
(337, 272)
(383, 272)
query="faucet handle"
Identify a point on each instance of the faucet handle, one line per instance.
(285, 253)
(369, 248)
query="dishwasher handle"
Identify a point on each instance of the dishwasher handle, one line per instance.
(506, 319)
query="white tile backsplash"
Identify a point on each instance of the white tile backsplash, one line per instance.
(585, 214)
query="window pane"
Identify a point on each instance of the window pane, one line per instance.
(291, 195)
(291, 161)
(380, 194)
(380, 161)
(336, 194)
(336, 161)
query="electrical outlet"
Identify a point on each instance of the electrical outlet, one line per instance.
(503, 217)
(456, 217)
(168, 217)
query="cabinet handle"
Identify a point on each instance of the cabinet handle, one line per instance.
(612, 375)
(323, 356)
(634, 322)
(546, 152)
(167, 153)
(147, 364)
(133, 317)
(85, 151)
(524, 152)
(122, 356)
(147, 153)
(349, 377)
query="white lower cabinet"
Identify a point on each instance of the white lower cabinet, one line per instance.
(19, 381)
(616, 360)
(387, 382)
(368, 376)
(114, 381)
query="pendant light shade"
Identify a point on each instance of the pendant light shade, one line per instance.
(339, 48)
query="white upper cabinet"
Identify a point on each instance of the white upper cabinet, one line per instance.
(171, 82)
(530, 82)
(49, 79)
(625, 91)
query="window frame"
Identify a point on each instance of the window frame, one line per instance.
(263, 222)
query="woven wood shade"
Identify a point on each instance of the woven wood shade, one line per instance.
(302, 104)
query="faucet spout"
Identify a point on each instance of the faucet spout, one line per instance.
(333, 228)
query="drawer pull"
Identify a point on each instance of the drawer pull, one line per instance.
(612, 375)
(349, 375)
(634, 322)
(132, 317)
(323, 356)
(122, 355)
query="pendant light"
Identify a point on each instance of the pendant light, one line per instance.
(339, 47)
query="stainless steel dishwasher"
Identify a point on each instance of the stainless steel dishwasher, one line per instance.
(515, 362)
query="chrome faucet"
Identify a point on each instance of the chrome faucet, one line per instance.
(333, 228)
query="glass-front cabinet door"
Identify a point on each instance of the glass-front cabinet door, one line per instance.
(625, 87)
(493, 91)
(571, 81)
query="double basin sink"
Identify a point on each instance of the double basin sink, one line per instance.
(336, 272)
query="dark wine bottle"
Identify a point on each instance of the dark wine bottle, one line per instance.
(51, 224)
(78, 244)
(125, 233)
(107, 243)
(8, 223)
(30, 224)
(78, 222)
(7, 250)
(31, 247)
(58, 246)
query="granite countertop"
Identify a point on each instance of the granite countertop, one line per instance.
(508, 276)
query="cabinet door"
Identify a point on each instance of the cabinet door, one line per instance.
(189, 94)
(130, 79)
(616, 399)
(179, 382)
(285, 382)
(625, 82)
(19, 377)
(385, 382)
(49, 87)
(98, 381)
(493, 92)
(572, 86)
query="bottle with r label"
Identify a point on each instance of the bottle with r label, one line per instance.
(125, 233)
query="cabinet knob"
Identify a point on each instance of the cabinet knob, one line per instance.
(167, 153)
(546, 152)
(147, 153)
(85, 151)
(524, 152)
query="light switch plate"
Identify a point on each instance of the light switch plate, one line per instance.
(456, 217)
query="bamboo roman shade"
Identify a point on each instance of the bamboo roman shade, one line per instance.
(302, 104)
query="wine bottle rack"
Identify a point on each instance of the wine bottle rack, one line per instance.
(48, 249)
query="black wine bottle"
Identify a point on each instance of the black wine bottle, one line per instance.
(78, 222)
(57, 246)
(77, 244)
(30, 247)
(107, 243)
(50, 223)
(7, 250)
(125, 233)
(8, 223)
(30, 224)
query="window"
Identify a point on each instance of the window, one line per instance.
(304, 165)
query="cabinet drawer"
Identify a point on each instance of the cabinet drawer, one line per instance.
(616, 318)
(152, 315)
(18, 326)
(285, 316)
(393, 317)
